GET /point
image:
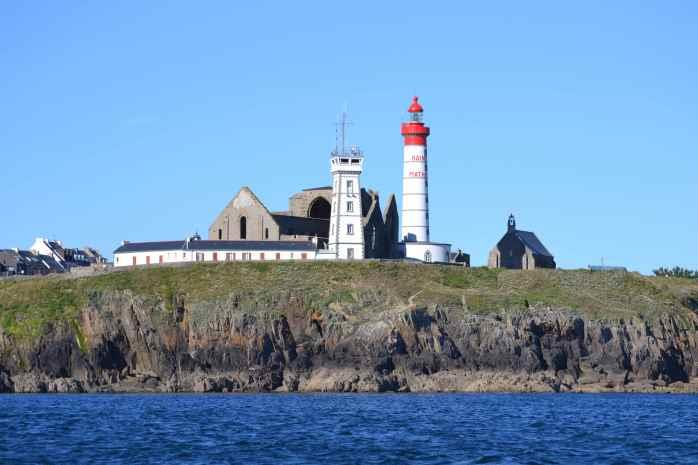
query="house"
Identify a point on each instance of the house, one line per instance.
(520, 250)
(26, 263)
(67, 258)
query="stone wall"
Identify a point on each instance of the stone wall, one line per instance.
(259, 224)
(299, 203)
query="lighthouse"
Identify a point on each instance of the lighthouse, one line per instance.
(415, 185)
(415, 191)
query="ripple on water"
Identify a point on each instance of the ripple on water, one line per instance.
(348, 429)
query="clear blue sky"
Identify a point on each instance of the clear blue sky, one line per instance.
(140, 120)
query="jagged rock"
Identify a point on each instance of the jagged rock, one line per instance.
(6, 384)
(29, 383)
(65, 385)
(221, 384)
(233, 344)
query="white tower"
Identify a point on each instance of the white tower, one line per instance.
(415, 197)
(346, 239)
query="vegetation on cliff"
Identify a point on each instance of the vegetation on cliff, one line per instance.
(352, 326)
(28, 305)
(676, 272)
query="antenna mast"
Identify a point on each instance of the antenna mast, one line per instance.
(341, 134)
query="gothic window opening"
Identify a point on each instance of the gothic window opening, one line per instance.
(266, 233)
(220, 234)
(243, 227)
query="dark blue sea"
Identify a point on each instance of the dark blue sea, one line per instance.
(349, 429)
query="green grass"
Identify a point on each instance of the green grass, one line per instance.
(363, 288)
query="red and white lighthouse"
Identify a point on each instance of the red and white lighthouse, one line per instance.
(415, 192)
(415, 184)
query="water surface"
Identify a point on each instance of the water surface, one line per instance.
(349, 429)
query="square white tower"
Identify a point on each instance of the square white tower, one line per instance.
(346, 239)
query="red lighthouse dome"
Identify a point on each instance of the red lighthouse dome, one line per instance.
(414, 130)
(415, 107)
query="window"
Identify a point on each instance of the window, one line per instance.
(243, 227)
(117, 260)
(160, 259)
(134, 260)
(227, 257)
(304, 256)
(350, 253)
(199, 257)
(215, 256)
(234, 256)
(350, 206)
(427, 256)
(278, 256)
(261, 256)
(350, 187)
(350, 229)
(147, 259)
(184, 255)
(220, 234)
(266, 233)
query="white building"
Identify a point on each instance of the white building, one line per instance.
(346, 240)
(193, 249)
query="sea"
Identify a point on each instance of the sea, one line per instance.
(349, 429)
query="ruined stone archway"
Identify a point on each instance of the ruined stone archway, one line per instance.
(319, 208)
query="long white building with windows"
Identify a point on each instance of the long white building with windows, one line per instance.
(194, 249)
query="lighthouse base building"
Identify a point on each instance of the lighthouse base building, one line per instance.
(342, 221)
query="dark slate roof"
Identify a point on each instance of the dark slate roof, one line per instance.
(33, 263)
(303, 226)
(322, 188)
(163, 246)
(150, 246)
(531, 241)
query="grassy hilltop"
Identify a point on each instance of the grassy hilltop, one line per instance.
(27, 305)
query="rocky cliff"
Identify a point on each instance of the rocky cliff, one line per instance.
(348, 328)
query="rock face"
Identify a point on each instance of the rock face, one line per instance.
(126, 343)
